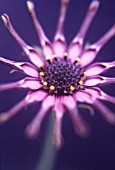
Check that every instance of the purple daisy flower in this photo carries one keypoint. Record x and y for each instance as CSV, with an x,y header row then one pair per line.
x,y
61,76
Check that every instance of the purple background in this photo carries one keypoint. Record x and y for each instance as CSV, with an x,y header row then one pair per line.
x,y
97,152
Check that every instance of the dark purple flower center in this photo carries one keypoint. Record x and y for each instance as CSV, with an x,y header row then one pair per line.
x,y
61,77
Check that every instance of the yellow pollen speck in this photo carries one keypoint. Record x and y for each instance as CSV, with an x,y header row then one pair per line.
x,y
65,54
54,56
80,82
78,59
72,88
45,83
41,73
52,87
85,73
47,58
40,66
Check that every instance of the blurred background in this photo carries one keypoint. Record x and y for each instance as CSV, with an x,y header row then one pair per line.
x,y
17,152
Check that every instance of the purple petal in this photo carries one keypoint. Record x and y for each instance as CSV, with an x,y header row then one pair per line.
x,y
31,53
45,43
91,96
59,48
59,39
27,83
88,19
98,68
36,96
83,97
80,126
90,53
98,81
30,83
59,113
107,97
29,69
33,128
34,56
105,112
105,38
31,97
99,94
76,45
74,50
92,93
87,56
93,81
5,116
24,67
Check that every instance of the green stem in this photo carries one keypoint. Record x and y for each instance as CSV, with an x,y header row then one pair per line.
x,y
87,106
48,156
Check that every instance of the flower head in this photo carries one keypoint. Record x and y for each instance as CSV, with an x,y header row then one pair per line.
x,y
61,76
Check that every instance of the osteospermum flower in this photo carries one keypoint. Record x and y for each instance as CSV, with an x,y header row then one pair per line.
x,y
61,76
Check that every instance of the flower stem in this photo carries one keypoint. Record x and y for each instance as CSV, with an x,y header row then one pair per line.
x,y
48,156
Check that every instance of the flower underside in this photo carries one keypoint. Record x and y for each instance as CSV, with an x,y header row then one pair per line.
x,y
61,76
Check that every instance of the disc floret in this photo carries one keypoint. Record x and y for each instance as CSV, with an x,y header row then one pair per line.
x,y
61,76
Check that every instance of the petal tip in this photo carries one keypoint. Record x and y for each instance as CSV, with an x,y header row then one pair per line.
x,y
113,29
111,119
58,142
5,19
83,131
31,132
94,5
65,2
30,5
3,118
